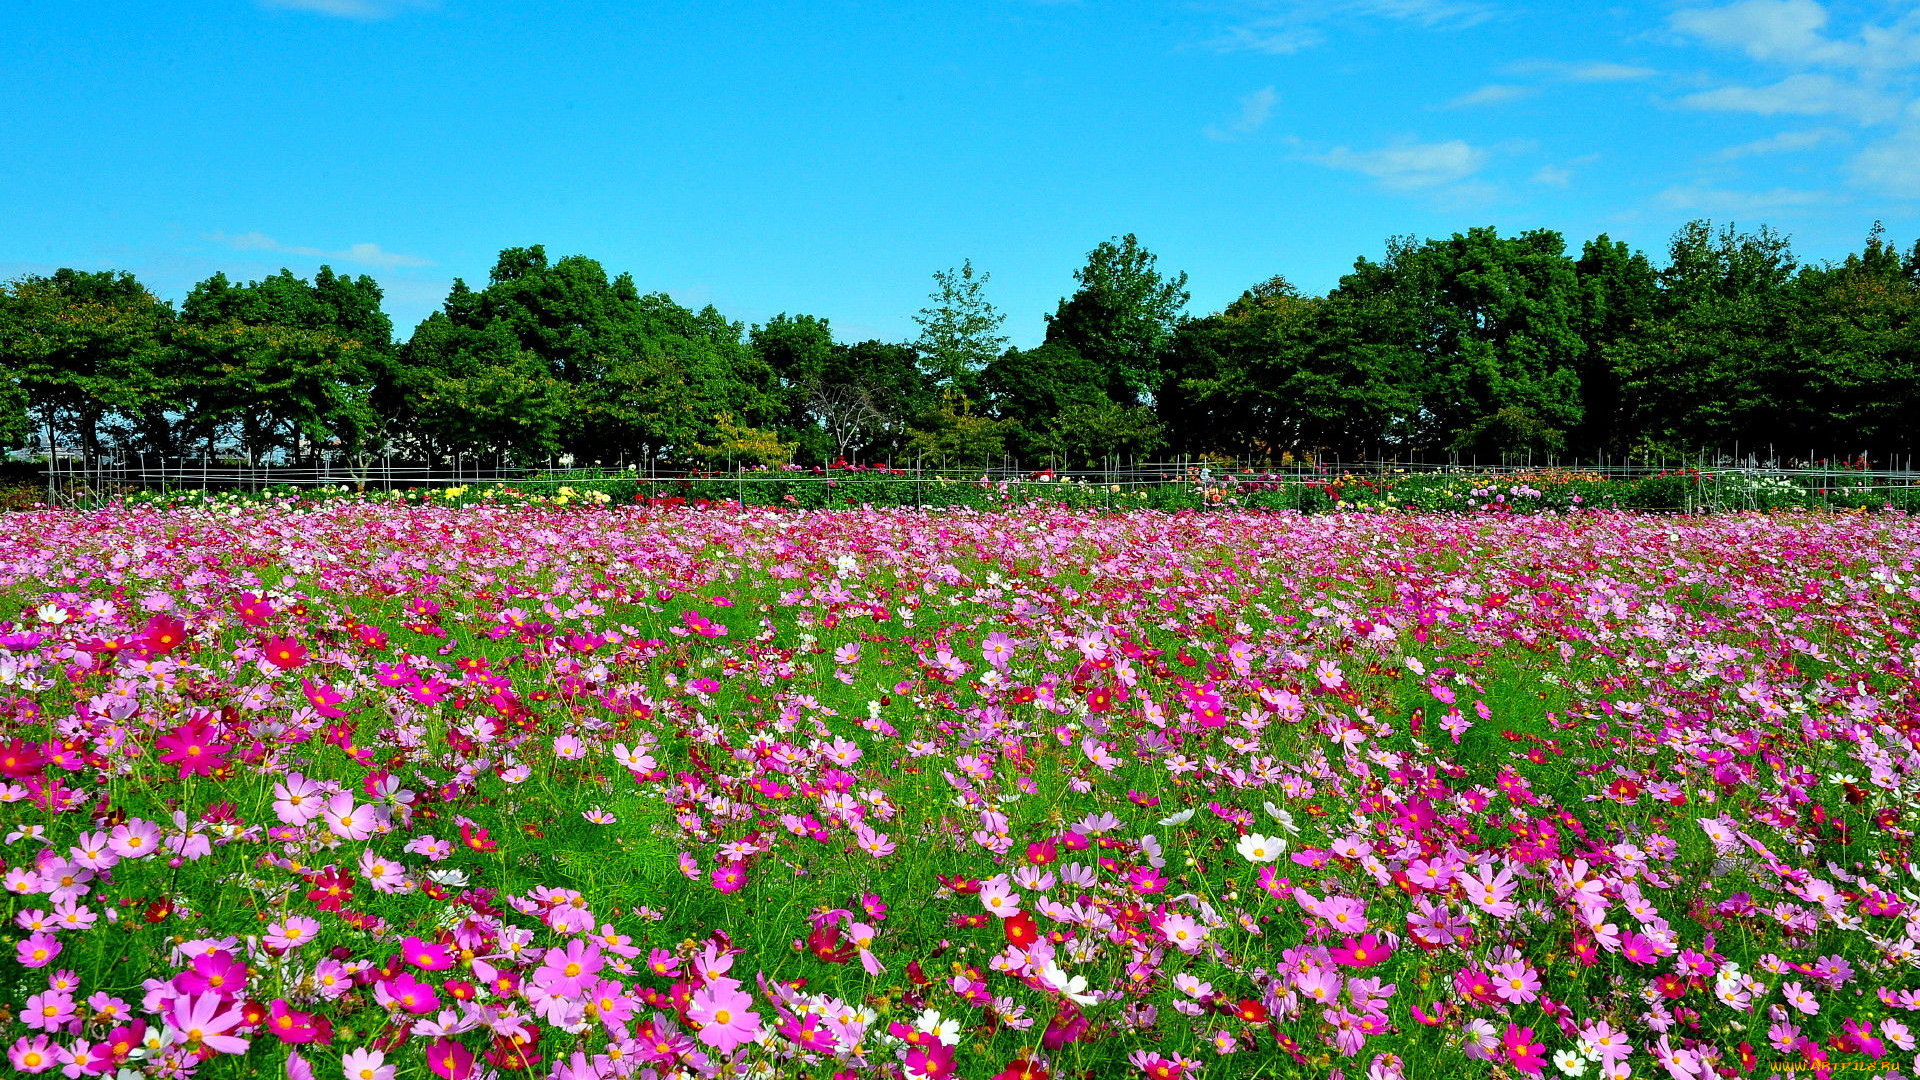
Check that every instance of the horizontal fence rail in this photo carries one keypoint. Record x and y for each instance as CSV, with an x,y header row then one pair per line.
x,y
1705,482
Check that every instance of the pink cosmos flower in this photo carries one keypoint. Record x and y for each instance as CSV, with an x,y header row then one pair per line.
x,y
296,931
366,1064
1183,933
1515,982
35,1055
1489,891
568,972
933,1062
297,800
862,935
205,1019
37,950
1319,985
999,899
215,972
1525,1054
347,821
289,1025
283,653
403,991
809,1033
720,1011
91,851
1364,951
730,878
135,839
49,1010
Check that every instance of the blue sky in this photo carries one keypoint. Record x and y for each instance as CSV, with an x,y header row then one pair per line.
x,y
827,157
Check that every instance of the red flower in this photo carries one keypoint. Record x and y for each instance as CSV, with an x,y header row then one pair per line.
x,y
193,749
164,633
1021,930
476,838
21,759
284,653
825,944
332,889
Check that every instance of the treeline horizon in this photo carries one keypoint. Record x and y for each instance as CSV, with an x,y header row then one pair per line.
x,y
1477,344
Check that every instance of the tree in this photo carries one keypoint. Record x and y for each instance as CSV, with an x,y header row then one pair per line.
x,y
960,332
865,395
1029,386
1853,381
279,387
83,348
619,373
1702,373
951,434
473,388
1478,323
285,362
1086,435
796,349
1122,317
1279,372
1619,292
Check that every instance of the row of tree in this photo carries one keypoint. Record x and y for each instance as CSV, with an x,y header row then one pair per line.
x,y
1474,344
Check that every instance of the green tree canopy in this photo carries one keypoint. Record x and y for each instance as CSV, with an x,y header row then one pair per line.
x,y
960,331
82,349
1122,317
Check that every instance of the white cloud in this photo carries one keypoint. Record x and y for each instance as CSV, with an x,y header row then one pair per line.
x,y
1255,109
1803,94
1284,27
1270,37
1553,176
1491,94
1794,33
1602,71
1891,166
1782,31
1590,71
1410,166
1786,142
350,9
358,254
1696,198
1455,14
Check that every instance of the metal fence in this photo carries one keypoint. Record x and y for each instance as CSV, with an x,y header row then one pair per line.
x,y
1715,479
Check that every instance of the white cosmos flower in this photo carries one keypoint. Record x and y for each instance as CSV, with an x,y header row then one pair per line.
x,y
1284,817
1260,849
947,1031
1180,818
1074,987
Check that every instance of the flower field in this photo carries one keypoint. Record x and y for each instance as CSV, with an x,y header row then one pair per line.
x,y
383,790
